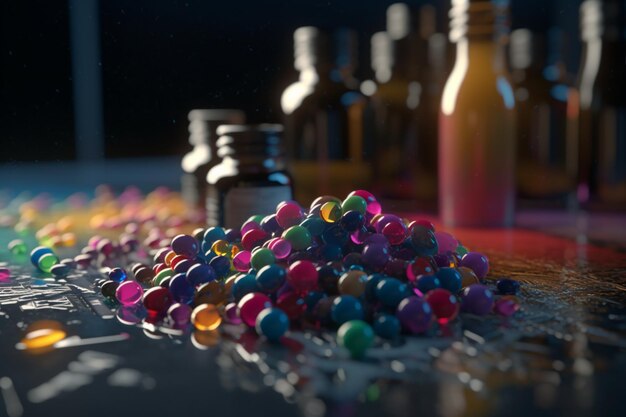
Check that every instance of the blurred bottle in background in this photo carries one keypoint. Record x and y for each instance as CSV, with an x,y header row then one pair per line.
x,y
477,120
197,163
546,163
601,100
323,116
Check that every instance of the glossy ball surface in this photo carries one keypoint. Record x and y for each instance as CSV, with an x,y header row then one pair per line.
x,y
185,245
270,278
415,315
302,276
272,323
387,326
345,308
181,289
477,299
117,274
262,257
507,286
356,336
206,317
129,293
251,305
445,306
352,283
477,262
390,291
450,279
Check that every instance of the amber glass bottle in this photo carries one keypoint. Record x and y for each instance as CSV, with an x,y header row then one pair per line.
x,y
323,116
477,121
602,102
251,177
197,163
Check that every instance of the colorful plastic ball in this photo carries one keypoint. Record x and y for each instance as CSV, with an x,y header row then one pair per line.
x,y
426,283
330,212
507,286
47,261
346,308
506,305
206,317
60,270
37,253
420,266
331,252
269,224
355,203
353,283
352,221
5,274
250,224
230,313
117,274
292,304
352,259
370,286
129,293
179,314
221,265
272,323
241,261
253,238
302,276
450,279
442,260
461,251
477,299
423,241
163,274
423,223
212,234
390,291
289,214
281,248
181,289
262,257
157,300
395,232
415,314
446,242
249,307
387,326
328,279
108,289
270,278
17,247
244,284
201,274
373,206
185,245
315,225
445,306
375,256
356,336
477,262
298,236
468,277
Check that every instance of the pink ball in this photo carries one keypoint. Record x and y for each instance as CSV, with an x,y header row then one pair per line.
x,y
129,292
251,305
281,248
241,261
289,214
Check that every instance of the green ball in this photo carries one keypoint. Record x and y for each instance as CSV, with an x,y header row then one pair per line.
x,y
162,275
17,247
256,218
356,336
262,257
47,261
461,250
298,236
355,203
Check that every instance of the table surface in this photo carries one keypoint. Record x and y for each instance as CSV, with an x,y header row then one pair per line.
x,y
563,353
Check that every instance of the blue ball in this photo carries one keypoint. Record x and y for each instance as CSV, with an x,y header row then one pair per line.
x,y
335,235
427,283
507,286
181,289
346,308
352,220
270,278
209,255
200,274
312,298
450,279
117,274
423,241
212,234
244,284
387,326
315,225
221,265
370,286
37,253
332,252
390,291
272,323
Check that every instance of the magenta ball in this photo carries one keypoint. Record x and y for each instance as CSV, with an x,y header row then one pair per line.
x,y
281,248
179,314
241,261
251,305
302,275
129,292
415,314
230,311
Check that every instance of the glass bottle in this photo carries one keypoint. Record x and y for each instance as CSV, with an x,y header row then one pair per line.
x,y
477,121
544,155
197,163
251,177
323,116
602,102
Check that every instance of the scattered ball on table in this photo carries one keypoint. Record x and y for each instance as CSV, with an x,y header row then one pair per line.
x,y
507,286
356,336
415,314
47,261
117,274
387,326
251,305
270,278
129,293
206,317
272,323
477,262
477,299
346,308
444,304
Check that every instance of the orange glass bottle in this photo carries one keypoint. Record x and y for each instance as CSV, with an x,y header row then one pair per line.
x,y
477,121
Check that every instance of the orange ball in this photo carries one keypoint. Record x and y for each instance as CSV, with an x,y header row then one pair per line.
x,y
206,317
353,283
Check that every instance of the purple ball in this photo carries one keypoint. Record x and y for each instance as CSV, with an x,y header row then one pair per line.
x,y
376,239
375,255
415,314
185,245
477,299
179,314
477,262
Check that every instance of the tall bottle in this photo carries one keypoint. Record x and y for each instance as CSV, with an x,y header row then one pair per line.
x,y
323,116
545,173
197,163
477,121
602,100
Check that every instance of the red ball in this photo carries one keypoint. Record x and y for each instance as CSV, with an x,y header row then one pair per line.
x,y
156,301
253,238
292,304
302,276
444,304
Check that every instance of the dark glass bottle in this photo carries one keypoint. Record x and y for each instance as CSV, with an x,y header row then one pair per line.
x,y
197,163
251,178
545,174
323,116
602,102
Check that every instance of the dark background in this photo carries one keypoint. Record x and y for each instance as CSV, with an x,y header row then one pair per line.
x,y
161,58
